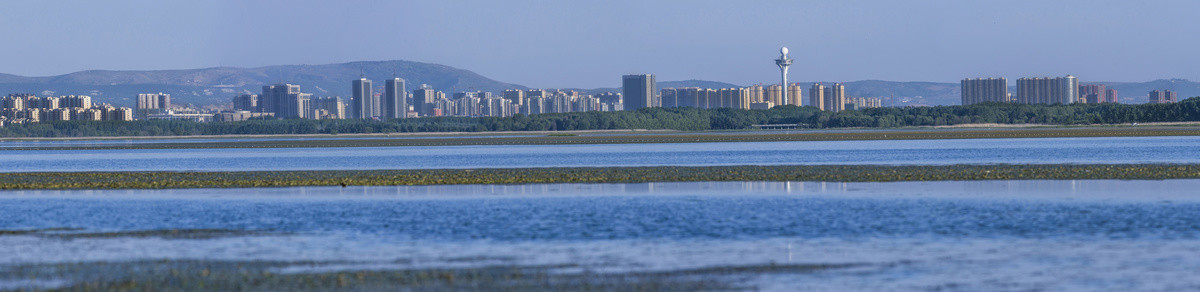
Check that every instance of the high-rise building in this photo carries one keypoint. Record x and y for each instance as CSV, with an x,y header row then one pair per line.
x,y
1110,95
81,101
536,93
424,99
816,96
153,101
774,94
612,99
395,99
515,96
468,104
246,102
835,97
286,101
669,98
742,99
977,90
14,102
1043,90
116,113
865,102
718,98
365,104
586,103
48,102
734,98
797,94
757,93
690,97
560,102
92,114
1092,93
461,95
639,91
708,98
493,106
328,108
1163,96
268,102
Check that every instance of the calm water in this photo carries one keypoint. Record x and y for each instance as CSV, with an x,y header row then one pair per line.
x,y
920,152
991,235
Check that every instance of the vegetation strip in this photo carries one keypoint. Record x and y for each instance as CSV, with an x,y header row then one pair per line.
x,y
831,173
910,134
681,119
217,275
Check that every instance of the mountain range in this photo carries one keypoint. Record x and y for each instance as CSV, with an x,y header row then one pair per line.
x,y
214,86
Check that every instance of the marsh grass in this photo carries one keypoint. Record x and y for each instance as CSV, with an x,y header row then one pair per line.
x,y
203,275
78,233
828,173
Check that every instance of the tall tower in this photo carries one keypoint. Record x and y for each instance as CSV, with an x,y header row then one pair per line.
x,y
394,101
365,104
783,63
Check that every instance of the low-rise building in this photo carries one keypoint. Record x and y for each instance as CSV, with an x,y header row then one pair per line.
x,y
237,116
173,116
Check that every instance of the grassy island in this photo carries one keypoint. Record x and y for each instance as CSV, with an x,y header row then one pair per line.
x,y
832,173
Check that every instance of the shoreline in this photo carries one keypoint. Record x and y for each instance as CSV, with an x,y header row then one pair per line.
x,y
827,173
634,137
608,131
348,135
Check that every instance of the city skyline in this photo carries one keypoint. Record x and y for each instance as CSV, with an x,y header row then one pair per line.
x,y
885,41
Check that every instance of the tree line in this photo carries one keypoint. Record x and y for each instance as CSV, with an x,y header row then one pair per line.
x,y
649,118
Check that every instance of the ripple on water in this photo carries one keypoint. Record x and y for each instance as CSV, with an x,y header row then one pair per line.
x,y
1037,235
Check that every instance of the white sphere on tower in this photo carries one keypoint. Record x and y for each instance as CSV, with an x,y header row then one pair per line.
x,y
783,51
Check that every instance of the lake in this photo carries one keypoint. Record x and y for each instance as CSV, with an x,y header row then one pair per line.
x,y
892,152
965,236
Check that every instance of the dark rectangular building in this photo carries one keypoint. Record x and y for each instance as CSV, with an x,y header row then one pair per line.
x,y
395,99
365,104
638,91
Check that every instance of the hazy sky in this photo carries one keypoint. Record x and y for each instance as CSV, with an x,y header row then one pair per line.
x,y
591,43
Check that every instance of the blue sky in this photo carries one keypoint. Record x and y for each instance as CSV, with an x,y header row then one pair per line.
x,y
591,43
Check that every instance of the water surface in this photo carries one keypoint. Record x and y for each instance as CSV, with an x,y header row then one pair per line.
x,y
886,152
982,235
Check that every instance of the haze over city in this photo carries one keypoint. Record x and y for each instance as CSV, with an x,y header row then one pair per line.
x,y
587,44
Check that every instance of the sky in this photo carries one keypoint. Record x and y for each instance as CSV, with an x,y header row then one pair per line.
x,y
588,44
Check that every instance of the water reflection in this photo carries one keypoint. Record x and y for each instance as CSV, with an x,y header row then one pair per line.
x,y
901,152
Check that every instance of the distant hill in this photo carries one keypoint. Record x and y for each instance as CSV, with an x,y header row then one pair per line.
x,y
696,83
665,84
216,85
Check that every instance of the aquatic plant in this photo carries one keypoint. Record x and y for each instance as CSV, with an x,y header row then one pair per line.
x,y
215,275
832,173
